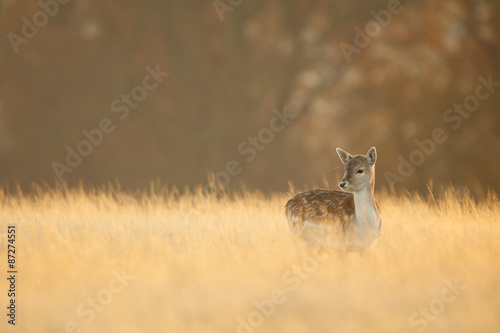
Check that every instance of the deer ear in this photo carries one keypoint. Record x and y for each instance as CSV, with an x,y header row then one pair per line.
x,y
371,156
344,156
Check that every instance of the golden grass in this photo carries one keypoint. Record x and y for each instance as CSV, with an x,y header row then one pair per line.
x,y
201,264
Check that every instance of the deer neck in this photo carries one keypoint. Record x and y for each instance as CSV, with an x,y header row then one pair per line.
x,y
364,206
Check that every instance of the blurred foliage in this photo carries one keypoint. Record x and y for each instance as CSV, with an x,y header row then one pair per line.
x,y
226,77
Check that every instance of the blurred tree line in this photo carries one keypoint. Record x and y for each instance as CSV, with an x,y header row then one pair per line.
x,y
232,66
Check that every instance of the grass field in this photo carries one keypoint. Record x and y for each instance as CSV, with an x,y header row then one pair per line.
x,y
108,261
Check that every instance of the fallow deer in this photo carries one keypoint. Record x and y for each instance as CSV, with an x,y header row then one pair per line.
x,y
337,219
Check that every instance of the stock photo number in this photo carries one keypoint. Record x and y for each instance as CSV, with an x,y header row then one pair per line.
x,y
11,274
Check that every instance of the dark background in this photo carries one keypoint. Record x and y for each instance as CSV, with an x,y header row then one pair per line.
x,y
227,76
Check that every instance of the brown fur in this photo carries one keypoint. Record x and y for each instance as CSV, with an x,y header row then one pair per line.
x,y
322,207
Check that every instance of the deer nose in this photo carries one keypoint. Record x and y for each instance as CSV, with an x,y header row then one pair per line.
x,y
342,184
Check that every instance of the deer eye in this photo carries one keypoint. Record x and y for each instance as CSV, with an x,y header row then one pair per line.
x,y
360,171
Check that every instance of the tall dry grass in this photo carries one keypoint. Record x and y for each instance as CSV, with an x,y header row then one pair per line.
x,y
196,263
